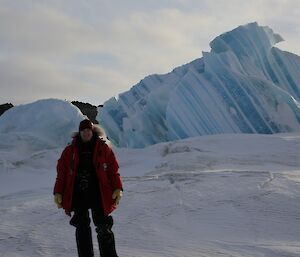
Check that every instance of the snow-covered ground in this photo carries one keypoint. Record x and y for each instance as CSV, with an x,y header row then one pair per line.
x,y
224,195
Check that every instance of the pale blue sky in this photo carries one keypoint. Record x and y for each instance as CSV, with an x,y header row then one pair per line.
x,y
91,50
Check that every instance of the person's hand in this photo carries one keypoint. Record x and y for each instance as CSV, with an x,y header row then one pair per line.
x,y
58,200
117,195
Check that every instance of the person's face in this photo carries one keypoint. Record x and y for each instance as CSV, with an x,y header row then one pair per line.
x,y
86,134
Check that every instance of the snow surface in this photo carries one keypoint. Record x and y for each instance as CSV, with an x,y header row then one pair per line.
x,y
232,195
244,85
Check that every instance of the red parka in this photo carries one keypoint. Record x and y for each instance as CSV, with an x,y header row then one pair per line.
x,y
106,167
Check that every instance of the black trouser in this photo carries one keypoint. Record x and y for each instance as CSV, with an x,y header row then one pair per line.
x,y
105,236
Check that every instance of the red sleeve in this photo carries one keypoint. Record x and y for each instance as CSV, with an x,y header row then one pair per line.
x,y
61,169
113,168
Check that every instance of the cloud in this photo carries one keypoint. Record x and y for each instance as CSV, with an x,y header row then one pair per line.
x,y
81,50
44,32
23,81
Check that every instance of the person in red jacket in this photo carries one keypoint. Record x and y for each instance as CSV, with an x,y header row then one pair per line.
x,y
88,178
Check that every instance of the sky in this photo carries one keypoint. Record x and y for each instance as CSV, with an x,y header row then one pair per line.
x,y
92,50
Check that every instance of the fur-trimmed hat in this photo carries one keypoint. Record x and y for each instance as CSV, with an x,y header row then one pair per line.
x,y
85,124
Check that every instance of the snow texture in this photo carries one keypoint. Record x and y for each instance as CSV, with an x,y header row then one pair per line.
x,y
243,85
232,195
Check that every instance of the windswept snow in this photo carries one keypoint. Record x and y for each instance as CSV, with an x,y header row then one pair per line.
x,y
224,195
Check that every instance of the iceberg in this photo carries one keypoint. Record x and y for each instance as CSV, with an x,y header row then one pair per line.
x,y
243,85
43,124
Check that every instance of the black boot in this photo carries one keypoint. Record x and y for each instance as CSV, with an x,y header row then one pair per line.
x,y
81,221
106,239
84,241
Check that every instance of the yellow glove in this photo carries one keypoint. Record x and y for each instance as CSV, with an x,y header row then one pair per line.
x,y
117,195
58,200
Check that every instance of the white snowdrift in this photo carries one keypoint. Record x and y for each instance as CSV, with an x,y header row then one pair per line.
x,y
39,125
212,196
